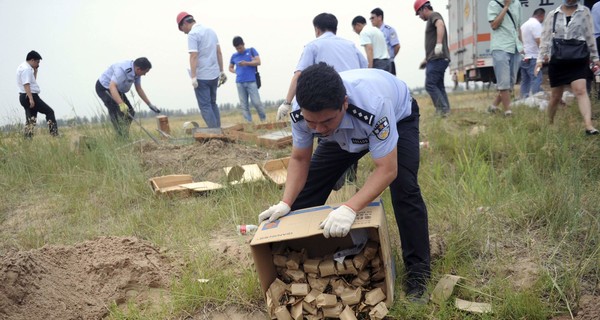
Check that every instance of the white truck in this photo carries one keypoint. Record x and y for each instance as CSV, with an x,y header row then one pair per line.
x,y
469,35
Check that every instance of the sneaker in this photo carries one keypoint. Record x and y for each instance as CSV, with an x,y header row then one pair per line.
x,y
508,113
492,109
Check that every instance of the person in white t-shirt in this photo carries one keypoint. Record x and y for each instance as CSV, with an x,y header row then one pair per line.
x,y
531,32
374,42
29,97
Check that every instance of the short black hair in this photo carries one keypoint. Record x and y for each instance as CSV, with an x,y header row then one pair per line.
x,y
326,22
33,55
538,12
142,63
320,87
237,40
378,12
359,19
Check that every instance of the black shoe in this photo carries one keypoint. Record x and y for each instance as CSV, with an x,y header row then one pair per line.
x,y
417,295
592,132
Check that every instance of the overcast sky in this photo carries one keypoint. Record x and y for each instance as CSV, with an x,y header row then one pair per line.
x,y
79,39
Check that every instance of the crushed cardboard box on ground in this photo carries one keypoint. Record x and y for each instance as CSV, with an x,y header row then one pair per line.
x,y
304,275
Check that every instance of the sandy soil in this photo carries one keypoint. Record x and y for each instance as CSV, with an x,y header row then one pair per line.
x,y
80,281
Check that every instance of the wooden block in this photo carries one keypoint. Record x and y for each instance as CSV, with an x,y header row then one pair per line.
x,y
205,134
241,136
271,125
232,127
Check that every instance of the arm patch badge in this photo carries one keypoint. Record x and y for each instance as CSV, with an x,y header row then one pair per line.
x,y
382,129
297,115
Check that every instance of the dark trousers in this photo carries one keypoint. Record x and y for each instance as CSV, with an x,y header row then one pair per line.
x,y
329,162
120,121
393,67
31,114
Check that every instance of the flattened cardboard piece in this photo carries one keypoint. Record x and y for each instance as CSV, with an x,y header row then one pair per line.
x,y
251,173
300,229
348,314
282,313
351,297
326,300
296,312
379,311
333,312
475,307
276,170
300,289
203,186
170,183
311,266
374,297
444,288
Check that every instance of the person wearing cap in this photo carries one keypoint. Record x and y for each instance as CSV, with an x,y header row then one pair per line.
x,y
206,66
29,95
112,86
244,63
359,111
391,37
373,40
437,56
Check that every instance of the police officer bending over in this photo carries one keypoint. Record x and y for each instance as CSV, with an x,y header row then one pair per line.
x,y
112,86
362,110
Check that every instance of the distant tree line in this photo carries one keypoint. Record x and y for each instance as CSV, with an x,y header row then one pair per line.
x,y
145,113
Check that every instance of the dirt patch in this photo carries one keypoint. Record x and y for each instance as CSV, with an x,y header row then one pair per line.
x,y
81,281
589,309
232,248
203,161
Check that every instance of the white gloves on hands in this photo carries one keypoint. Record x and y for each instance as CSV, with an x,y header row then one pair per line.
x,y
195,83
154,108
438,49
283,111
274,212
338,222
222,79
124,108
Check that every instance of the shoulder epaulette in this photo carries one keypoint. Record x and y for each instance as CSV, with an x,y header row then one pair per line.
x,y
361,114
296,115
128,70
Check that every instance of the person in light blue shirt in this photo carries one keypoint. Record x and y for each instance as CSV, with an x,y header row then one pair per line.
x,y
112,86
336,51
206,66
359,111
391,37
244,64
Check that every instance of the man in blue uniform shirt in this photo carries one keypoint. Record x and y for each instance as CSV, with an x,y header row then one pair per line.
x,y
112,86
361,110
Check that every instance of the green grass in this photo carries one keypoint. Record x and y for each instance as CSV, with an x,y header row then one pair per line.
x,y
538,182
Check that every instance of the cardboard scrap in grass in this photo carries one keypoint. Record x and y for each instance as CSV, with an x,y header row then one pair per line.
x,y
443,291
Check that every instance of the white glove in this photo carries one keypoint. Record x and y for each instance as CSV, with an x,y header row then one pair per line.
x,y
154,108
283,111
195,83
274,212
338,222
438,49
222,79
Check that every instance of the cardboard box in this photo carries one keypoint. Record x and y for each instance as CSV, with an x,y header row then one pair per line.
x,y
180,184
243,174
300,230
276,170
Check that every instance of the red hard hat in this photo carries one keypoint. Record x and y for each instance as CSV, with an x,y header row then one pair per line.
x,y
419,4
180,17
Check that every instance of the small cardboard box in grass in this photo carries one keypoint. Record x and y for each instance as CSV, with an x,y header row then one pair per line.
x,y
299,232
